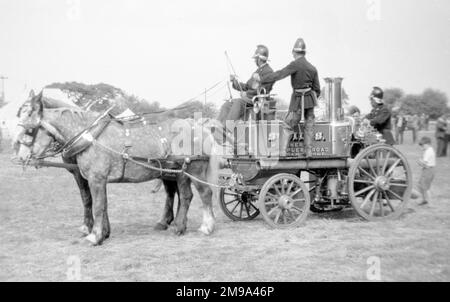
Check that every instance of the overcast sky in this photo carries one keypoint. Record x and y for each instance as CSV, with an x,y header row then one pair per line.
x,y
171,50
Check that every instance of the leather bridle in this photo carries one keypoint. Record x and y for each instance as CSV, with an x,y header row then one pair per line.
x,y
29,139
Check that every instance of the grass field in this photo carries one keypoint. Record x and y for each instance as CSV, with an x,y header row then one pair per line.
x,y
40,211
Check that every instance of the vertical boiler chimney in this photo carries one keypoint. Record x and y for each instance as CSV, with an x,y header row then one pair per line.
x,y
333,97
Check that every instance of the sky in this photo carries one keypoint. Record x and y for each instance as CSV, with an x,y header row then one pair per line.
x,y
172,50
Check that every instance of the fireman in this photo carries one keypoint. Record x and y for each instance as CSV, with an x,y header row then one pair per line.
x,y
380,116
235,109
306,89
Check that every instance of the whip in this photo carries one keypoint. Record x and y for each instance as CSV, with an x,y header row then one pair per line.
x,y
230,65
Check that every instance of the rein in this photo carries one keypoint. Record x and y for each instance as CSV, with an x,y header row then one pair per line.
x,y
187,106
67,147
140,161
145,162
52,131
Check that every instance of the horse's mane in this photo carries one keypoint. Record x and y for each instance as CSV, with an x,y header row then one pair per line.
x,y
77,113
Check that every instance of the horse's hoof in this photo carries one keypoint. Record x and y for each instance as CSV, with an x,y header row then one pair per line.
x,y
92,239
205,230
84,230
179,231
160,227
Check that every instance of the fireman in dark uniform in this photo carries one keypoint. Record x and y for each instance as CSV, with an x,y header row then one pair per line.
x,y
380,116
235,109
306,90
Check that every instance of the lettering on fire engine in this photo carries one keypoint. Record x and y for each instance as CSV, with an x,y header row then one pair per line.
x,y
319,137
296,150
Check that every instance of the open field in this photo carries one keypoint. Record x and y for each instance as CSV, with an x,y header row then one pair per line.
x,y
41,210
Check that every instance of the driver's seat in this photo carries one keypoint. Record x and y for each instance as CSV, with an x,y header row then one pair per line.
x,y
266,108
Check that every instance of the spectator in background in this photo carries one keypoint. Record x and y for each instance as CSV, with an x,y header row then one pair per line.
x,y
447,134
441,137
400,124
427,163
427,122
354,111
414,127
422,122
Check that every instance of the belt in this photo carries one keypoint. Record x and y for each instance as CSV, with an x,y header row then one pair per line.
x,y
303,92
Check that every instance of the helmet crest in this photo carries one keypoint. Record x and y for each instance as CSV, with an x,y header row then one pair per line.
x,y
299,46
261,52
377,95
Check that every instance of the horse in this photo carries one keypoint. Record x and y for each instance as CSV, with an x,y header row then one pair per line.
x,y
106,158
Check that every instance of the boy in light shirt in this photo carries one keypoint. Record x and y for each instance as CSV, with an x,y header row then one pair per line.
x,y
428,162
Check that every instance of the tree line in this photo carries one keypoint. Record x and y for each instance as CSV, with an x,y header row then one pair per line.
x,y
431,102
100,97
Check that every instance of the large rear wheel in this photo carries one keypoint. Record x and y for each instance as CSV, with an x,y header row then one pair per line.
x,y
380,183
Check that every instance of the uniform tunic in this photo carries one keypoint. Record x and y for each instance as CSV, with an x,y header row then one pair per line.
x,y
380,119
303,75
235,109
250,86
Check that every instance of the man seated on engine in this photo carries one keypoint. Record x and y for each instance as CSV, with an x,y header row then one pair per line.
x,y
234,110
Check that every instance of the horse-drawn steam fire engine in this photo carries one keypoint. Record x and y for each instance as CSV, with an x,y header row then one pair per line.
x,y
350,166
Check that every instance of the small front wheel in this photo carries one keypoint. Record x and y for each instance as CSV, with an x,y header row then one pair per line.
x,y
284,201
237,205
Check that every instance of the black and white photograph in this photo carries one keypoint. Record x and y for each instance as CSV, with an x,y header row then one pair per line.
x,y
224,141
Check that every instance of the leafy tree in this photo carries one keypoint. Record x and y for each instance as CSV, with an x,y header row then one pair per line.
x,y
412,104
431,102
393,96
138,105
100,97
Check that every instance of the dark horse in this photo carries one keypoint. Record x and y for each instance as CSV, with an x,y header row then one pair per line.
x,y
104,161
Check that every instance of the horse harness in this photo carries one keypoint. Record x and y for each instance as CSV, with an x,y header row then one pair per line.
x,y
168,167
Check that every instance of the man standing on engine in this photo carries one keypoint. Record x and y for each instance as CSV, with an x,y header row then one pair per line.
x,y
306,89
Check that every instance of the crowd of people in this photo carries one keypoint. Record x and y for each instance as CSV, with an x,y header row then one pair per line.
x,y
415,123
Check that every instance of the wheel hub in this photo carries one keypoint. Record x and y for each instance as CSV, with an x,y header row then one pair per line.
x,y
382,183
245,197
285,202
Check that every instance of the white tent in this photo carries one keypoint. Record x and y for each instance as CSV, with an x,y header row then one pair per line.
x,y
126,113
8,114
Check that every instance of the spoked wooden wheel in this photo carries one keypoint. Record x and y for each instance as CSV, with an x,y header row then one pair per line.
x,y
238,206
380,183
284,201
